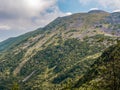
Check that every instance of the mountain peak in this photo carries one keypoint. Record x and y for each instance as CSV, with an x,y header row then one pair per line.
x,y
97,11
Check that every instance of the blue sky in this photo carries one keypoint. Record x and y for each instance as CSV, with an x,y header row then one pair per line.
x,y
76,6
21,16
70,6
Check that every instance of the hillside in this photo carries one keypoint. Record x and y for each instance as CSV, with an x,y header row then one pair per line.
x,y
60,53
104,73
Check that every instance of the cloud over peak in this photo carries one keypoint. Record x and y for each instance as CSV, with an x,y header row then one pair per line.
x,y
94,9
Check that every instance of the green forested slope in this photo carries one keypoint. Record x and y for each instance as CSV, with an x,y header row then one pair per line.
x,y
104,74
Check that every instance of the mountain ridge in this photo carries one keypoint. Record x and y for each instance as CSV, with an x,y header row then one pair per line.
x,y
57,21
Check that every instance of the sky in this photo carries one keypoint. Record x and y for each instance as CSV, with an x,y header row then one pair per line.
x,y
20,16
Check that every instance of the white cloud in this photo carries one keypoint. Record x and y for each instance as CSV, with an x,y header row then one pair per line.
x,y
25,8
28,14
112,4
4,27
94,9
68,13
118,10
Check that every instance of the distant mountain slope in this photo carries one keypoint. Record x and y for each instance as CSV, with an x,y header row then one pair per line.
x,y
6,43
11,42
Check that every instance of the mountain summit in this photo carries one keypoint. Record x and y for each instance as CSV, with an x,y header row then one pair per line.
x,y
97,11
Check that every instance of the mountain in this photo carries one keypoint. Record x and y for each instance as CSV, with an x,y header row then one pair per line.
x,y
97,11
58,55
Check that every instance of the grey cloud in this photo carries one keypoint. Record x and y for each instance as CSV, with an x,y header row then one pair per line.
x,y
21,12
26,15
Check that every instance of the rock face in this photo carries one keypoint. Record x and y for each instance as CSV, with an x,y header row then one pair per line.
x,y
58,54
